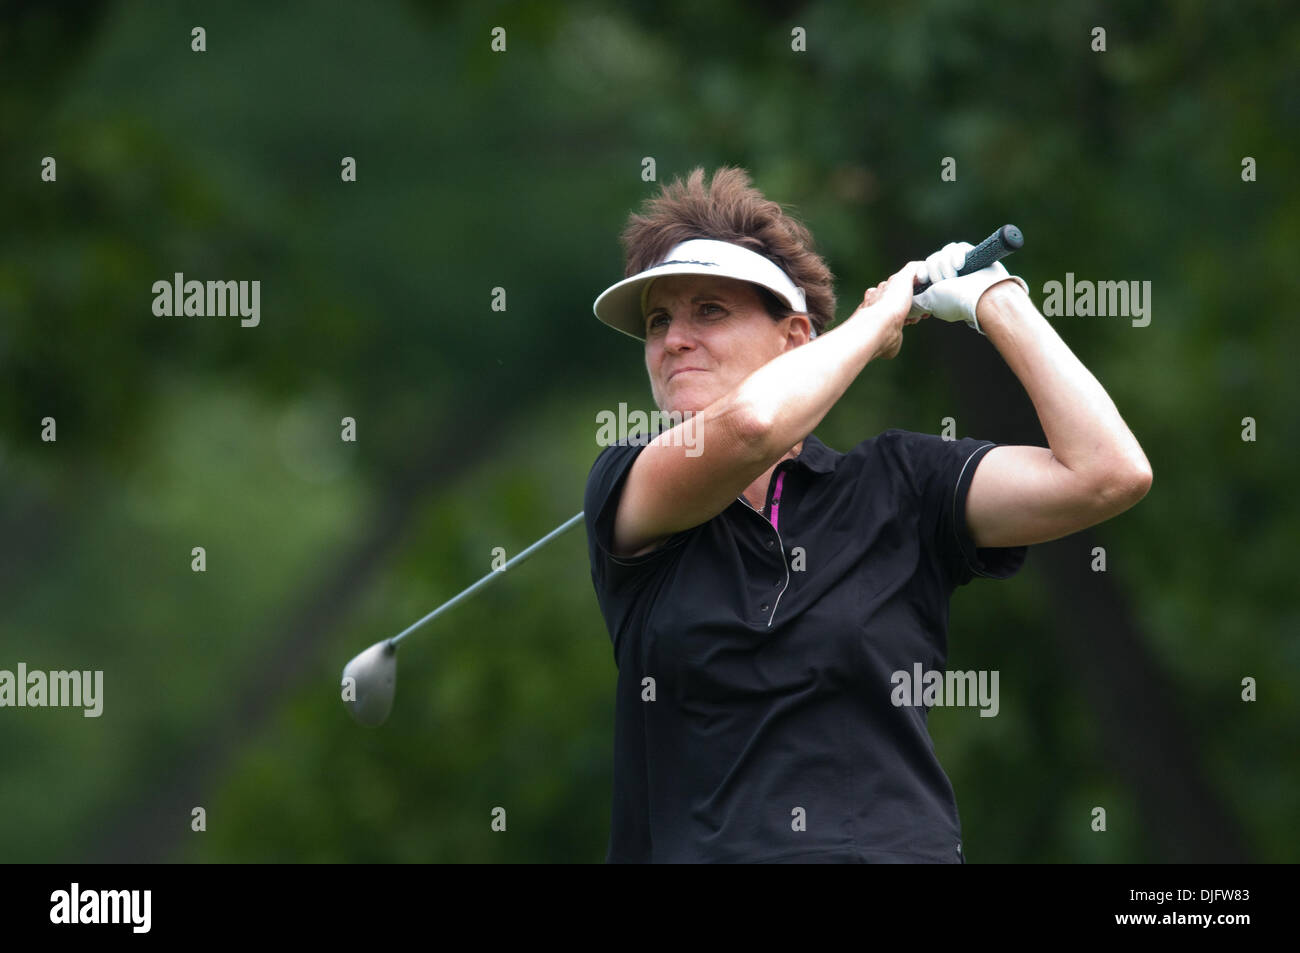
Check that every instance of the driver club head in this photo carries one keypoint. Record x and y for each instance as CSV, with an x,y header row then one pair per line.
x,y
370,679
374,680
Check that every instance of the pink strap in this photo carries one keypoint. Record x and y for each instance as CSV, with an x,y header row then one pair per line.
x,y
776,498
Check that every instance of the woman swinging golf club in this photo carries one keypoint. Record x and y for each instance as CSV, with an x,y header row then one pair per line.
x,y
764,592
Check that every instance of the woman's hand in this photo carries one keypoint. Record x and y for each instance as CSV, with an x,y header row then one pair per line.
x,y
889,304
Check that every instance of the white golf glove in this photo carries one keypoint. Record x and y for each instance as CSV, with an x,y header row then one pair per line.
x,y
953,298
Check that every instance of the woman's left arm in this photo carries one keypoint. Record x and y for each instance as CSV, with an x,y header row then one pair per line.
x,y
1094,468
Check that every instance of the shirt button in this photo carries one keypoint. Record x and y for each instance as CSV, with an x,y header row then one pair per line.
x,y
764,607
768,543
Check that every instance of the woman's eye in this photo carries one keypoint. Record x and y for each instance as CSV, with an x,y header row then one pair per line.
x,y
655,321
707,306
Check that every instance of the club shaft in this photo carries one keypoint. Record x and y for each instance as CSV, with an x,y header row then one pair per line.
x,y
558,531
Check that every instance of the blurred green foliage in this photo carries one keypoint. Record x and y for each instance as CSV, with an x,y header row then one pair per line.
x,y
479,170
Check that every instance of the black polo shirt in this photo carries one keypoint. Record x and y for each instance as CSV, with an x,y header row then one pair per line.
x,y
754,719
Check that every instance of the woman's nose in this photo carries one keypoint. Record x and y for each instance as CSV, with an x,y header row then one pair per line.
x,y
678,335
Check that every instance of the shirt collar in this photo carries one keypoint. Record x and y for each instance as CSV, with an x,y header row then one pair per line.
x,y
815,455
818,457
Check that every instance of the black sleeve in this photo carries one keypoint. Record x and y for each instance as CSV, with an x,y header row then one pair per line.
x,y
600,503
941,472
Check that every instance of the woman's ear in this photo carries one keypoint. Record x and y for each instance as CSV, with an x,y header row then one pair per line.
x,y
800,330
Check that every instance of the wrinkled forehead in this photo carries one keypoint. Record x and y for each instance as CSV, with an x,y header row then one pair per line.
x,y
662,291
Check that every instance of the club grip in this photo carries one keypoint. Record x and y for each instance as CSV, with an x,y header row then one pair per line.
x,y
998,245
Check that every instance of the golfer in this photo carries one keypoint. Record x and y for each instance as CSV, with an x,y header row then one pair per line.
x,y
764,591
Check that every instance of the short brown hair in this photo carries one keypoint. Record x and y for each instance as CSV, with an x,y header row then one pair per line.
x,y
730,209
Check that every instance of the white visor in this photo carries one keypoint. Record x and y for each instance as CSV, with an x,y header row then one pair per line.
x,y
620,305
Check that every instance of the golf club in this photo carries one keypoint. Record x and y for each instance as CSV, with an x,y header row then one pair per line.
x,y
1001,243
373,673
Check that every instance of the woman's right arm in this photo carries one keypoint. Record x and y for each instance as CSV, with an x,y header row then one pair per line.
x,y
742,434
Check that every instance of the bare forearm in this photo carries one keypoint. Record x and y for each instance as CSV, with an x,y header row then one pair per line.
x,y
1083,427
788,396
